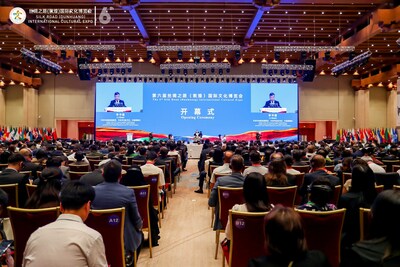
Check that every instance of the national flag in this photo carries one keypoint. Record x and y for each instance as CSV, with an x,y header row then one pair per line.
x,y
394,136
54,133
337,135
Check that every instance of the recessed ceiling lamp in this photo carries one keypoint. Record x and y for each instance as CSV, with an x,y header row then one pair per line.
x,y
286,61
47,72
225,60
253,60
107,60
2,83
390,85
179,60
95,59
129,60
202,60
22,83
264,61
118,60
356,73
380,84
152,60
240,61
214,60
322,72
168,60
274,61
345,73
370,85
191,60
37,71
12,83
70,71
141,60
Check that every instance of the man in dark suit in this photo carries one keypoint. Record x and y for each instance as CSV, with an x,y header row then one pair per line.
x,y
272,103
111,194
95,177
203,156
317,170
28,165
117,102
235,180
11,175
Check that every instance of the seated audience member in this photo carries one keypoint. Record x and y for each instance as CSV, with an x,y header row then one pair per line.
x,y
289,163
130,153
160,160
150,169
317,170
79,157
310,151
361,194
216,158
28,165
3,205
48,190
40,157
393,154
174,152
320,195
324,153
256,166
94,152
286,243
111,194
11,175
371,163
276,156
277,176
234,180
343,167
255,197
225,168
95,177
68,241
246,156
134,177
382,246
142,154
299,157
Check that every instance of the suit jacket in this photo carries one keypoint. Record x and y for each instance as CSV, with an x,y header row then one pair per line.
x,y
93,178
115,195
311,177
310,258
11,176
114,103
234,180
269,104
33,167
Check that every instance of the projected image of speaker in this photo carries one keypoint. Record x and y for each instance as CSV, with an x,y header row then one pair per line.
x,y
84,74
308,75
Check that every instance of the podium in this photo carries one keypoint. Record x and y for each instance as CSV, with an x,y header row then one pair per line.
x,y
129,137
118,109
273,110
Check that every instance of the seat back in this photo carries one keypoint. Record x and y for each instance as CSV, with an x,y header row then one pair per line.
x,y
152,180
93,162
395,168
76,175
323,232
379,188
388,180
142,194
248,238
282,195
346,176
26,221
30,188
27,174
3,166
162,167
136,162
299,179
365,223
389,164
12,192
330,168
126,167
110,224
228,197
336,195
79,168
305,168
168,169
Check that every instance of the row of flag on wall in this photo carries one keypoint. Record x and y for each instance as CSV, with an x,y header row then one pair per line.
x,y
8,133
381,135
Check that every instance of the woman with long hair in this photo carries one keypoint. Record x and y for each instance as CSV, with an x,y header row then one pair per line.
x,y
255,198
286,243
48,189
277,175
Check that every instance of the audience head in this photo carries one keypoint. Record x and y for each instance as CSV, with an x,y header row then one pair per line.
x,y
317,162
151,155
41,154
363,180
26,153
76,198
15,161
142,150
227,156
54,162
237,163
321,191
289,161
255,195
112,171
276,156
255,157
218,155
79,156
284,234
346,164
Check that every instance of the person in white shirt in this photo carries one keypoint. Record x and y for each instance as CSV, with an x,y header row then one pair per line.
x,y
256,166
174,152
374,167
68,241
224,169
289,162
150,169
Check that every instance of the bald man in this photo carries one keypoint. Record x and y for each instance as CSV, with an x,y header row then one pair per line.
x,y
27,164
224,169
318,170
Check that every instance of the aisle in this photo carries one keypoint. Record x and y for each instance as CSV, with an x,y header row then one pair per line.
x,y
186,236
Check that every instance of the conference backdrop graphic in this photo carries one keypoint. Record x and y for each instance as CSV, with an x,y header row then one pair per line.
x,y
236,110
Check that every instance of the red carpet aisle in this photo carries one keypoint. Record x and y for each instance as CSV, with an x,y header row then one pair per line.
x,y
186,236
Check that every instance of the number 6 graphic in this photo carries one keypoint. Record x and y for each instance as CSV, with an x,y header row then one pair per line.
x,y
104,16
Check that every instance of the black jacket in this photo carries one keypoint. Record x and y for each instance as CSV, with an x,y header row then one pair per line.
x,y
11,176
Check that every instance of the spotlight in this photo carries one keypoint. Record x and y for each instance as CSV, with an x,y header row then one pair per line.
x,y
185,72
352,55
212,70
170,72
114,79
38,54
163,71
129,70
105,71
264,71
204,71
282,72
111,71
196,60
270,72
195,71
178,71
123,71
100,71
125,80
228,70
118,70
180,55
217,80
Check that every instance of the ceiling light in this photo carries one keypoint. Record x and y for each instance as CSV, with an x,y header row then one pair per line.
x,y
168,60
47,72
191,60
152,60
70,71
370,85
253,60
356,73
179,60
345,73
202,60
286,61
214,60
12,83
118,60
141,60
264,61
95,59
390,85
225,60
380,84
22,83
107,59
129,59
274,61
37,71
2,83
322,72
240,61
